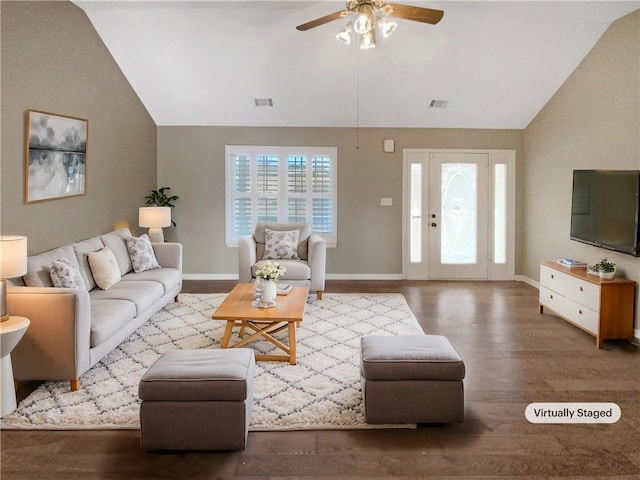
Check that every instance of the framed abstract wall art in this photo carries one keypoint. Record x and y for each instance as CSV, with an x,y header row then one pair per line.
x,y
56,162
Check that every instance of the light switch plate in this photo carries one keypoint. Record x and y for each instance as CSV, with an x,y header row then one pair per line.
x,y
389,146
386,202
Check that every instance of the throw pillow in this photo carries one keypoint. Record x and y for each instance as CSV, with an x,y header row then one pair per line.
x,y
280,245
65,275
141,253
104,268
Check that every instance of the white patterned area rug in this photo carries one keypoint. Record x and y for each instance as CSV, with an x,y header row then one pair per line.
x,y
321,392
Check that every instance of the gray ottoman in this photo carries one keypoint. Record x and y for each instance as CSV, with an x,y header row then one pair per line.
x,y
197,400
411,379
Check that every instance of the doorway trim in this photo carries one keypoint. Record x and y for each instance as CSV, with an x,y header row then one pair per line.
x,y
504,271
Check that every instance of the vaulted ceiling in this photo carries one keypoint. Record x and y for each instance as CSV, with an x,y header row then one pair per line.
x,y
496,63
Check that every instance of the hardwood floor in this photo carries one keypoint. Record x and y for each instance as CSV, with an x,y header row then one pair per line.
x,y
514,356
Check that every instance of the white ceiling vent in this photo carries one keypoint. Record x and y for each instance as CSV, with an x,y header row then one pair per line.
x,y
263,102
439,104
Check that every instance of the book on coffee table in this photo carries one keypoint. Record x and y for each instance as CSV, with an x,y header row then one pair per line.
x,y
283,288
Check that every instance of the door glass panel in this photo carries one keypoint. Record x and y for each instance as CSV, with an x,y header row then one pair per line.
x,y
500,214
415,226
459,232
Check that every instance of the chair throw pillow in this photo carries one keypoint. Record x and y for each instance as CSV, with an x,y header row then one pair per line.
x,y
141,253
65,275
104,268
281,245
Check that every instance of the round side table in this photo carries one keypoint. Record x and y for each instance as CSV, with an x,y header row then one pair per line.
x,y
11,331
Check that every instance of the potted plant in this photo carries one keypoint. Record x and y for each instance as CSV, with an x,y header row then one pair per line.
x,y
161,199
605,269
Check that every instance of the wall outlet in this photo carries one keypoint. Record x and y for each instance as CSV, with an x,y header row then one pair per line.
x,y
386,202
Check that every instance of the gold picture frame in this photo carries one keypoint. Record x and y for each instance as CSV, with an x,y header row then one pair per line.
x,y
56,156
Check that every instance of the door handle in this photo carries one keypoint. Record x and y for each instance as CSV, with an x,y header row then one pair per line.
x,y
434,224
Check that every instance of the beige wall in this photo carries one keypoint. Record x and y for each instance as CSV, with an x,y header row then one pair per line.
x,y
593,121
54,61
191,162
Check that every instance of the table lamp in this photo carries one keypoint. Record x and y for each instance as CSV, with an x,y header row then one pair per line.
x,y
13,263
155,218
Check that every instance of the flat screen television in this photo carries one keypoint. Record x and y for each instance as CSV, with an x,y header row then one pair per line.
x,y
605,209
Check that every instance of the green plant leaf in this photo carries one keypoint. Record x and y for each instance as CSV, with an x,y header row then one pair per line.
x,y
161,199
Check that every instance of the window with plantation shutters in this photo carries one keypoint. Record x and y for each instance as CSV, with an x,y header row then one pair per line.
x,y
281,185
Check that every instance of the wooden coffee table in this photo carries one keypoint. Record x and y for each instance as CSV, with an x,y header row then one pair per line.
x,y
236,310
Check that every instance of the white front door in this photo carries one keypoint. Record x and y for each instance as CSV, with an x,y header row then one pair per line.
x,y
459,214
458,191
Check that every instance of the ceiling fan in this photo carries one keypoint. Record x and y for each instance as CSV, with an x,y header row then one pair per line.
x,y
370,13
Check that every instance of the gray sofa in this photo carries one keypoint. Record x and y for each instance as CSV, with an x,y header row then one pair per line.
x,y
73,328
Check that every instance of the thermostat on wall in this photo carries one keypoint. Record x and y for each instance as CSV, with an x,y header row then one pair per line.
x,y
389,146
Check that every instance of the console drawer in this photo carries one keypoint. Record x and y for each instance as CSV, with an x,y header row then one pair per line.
x,y
551,299
584,293
568,309
582,316
581,291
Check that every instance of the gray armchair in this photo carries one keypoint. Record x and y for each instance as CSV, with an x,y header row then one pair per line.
x,y
309,270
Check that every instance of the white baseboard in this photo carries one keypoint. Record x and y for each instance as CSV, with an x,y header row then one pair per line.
x,y
365,276
525,279
329,276
210,276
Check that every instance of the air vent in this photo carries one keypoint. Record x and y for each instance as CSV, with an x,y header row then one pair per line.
x,y
439,104
264,102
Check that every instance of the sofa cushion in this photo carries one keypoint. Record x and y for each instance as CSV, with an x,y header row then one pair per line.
x,y
38,266
65,275
116,241
281,244
82,250
141,293
167,277
199,376
296,269
303,237
141,253
104,267
108,316
410,357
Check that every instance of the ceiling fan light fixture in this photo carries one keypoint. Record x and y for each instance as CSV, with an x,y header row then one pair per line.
x,y
387,28
345,35
362,24
367,41
370,14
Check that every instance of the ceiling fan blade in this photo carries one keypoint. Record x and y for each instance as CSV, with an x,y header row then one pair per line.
x,y
417,14
322,20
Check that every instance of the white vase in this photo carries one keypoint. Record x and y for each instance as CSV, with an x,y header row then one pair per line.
x,y
269,291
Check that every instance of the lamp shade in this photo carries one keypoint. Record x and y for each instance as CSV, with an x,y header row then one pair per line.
x,y
13,256
154,217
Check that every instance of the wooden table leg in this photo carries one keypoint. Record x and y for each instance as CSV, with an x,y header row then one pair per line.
x,y
292,343
227,334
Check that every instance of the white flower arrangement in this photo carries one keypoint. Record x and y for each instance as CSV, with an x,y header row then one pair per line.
x,y
271,271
